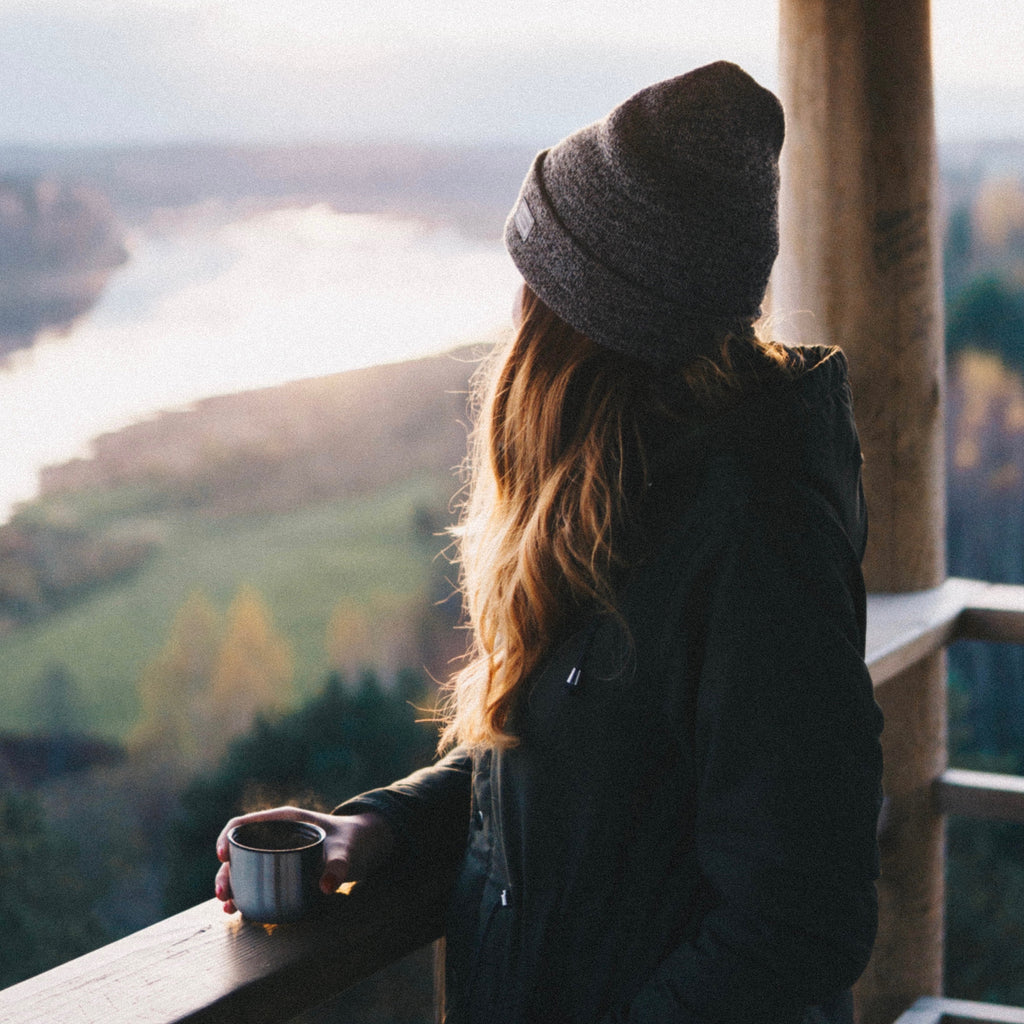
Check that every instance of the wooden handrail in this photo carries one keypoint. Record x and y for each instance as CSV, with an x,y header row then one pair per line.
x,y
980,795
200,966
904,628
935,1010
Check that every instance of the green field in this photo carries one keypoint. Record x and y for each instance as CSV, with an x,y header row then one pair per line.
x,y
303,562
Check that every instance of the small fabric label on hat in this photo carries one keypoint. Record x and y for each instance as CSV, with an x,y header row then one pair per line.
x,y
523,220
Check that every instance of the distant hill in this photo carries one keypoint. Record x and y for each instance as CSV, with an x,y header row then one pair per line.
x,y
472,187
59,243
276,449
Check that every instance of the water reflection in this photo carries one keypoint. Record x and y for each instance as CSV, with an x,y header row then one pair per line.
x,y
210,303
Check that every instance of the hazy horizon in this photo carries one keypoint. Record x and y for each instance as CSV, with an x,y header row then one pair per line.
x,y
136,72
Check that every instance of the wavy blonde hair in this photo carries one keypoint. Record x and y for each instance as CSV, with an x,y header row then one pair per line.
x,y
559,457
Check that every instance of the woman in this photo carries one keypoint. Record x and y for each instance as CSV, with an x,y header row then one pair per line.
x,y
663,772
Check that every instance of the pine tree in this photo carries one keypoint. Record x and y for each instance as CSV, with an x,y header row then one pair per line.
x,y
45,898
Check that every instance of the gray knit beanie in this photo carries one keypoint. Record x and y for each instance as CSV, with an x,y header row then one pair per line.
x,y
659,216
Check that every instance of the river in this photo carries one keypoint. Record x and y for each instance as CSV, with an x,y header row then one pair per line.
x,y
210,303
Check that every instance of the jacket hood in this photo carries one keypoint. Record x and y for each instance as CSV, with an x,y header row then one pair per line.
x,y
799,432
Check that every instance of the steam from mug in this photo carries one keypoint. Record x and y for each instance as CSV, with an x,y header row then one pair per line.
x,y
275,869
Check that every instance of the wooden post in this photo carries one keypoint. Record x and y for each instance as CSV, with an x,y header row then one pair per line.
x,y
860,269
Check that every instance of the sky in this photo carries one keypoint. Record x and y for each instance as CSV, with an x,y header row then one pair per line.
x,y
76,72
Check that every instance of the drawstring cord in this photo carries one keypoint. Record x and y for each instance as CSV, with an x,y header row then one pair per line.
x,y
572,681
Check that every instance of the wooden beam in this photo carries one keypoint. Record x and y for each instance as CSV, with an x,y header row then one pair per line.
x,y
993,612
981,795
859,263
859,267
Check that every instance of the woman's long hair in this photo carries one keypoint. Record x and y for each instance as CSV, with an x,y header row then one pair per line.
x,y
559,457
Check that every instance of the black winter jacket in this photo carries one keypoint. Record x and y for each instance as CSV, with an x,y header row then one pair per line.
x,y
686,829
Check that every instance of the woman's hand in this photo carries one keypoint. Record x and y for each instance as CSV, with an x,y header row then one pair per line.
x,y
356,845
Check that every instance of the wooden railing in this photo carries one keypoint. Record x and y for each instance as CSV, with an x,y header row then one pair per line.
x,y
904,628
203,966
931,1010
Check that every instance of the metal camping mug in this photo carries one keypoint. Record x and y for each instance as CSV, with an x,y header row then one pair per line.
x,y
275,869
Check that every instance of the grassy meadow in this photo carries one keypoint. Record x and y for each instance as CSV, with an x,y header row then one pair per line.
x,y
345,512
365,549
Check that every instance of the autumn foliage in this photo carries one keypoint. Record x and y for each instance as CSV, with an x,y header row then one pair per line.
x,y
211,679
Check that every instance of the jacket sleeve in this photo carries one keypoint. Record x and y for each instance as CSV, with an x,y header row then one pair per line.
x,y
428,811
786,733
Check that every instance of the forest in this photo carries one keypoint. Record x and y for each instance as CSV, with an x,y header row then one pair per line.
x,y
984,282
244,700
